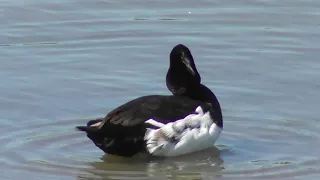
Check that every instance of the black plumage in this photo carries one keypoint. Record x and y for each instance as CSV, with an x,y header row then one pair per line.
x,y
121,132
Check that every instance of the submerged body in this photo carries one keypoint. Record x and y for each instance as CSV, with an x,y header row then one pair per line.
x,y
187,121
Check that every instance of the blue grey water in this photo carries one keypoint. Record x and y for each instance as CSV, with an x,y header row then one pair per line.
x,y
65,62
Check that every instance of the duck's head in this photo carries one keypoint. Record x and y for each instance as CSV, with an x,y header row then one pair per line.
x,y
182,73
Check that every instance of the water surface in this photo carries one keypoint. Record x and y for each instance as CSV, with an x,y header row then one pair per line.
x,y
65,62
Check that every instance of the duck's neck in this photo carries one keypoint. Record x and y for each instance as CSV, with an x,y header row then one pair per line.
x,y
202,93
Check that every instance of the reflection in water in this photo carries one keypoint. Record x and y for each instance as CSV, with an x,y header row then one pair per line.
x,y
200,165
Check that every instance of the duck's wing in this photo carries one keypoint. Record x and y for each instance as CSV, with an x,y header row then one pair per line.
x,y
129,117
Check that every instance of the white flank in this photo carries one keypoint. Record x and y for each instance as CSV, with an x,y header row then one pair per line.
x,y
193,133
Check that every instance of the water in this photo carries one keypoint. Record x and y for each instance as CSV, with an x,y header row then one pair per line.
x,y
65,62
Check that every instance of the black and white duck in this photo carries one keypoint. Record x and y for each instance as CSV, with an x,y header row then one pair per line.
x,y
190,120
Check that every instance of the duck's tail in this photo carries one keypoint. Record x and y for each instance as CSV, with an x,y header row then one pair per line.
x,y
94,132
92,125
111,138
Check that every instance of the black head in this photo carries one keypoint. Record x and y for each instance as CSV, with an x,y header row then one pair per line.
x,y
182,73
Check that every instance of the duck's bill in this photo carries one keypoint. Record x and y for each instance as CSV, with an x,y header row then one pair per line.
x,y
186,62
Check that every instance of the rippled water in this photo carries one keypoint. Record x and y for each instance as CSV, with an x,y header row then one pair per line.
x,y
65,62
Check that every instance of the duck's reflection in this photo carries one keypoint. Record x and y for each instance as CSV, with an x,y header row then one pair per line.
x,y
201,165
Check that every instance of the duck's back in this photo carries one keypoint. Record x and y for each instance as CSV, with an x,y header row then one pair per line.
x,y
161,108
